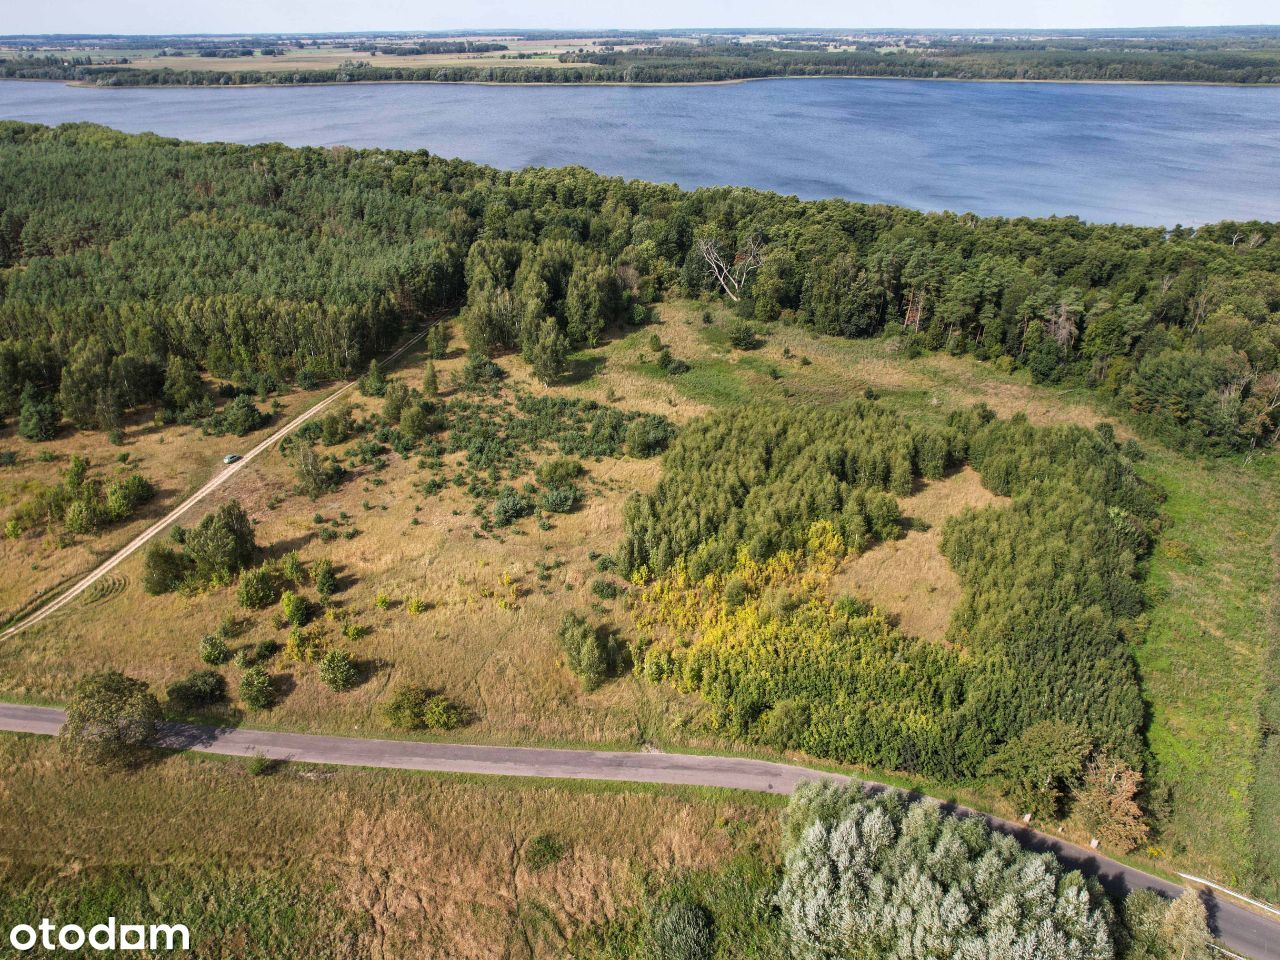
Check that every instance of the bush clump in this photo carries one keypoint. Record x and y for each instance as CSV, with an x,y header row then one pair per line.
x,y
338,670
510,507
590,652
203,688
257,589
417,708
214,650
681,930
559,471
542,851
559,499
257,689
295,609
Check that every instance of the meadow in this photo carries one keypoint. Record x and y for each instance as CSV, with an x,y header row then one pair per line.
x,y
304,862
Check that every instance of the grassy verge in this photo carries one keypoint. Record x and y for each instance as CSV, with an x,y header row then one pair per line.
x,y
310,861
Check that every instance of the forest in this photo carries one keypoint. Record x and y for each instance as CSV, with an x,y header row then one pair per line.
x,y
757,508
266,265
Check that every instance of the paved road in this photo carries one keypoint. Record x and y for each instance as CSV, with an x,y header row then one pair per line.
x,y
1239,930
173,516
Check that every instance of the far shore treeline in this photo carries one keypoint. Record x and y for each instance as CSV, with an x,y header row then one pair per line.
x,y
121,256
1239,55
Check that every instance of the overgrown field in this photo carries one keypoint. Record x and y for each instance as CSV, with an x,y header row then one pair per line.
x,y
175,460
444,598
306,862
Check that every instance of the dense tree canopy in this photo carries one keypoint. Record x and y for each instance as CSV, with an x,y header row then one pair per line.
x,y
879,878
118,253
757,508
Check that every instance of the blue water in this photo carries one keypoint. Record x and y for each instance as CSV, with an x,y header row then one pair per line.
x,y
1158,155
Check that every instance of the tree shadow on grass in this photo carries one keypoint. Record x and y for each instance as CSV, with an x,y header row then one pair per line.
x,y
281,547
582,369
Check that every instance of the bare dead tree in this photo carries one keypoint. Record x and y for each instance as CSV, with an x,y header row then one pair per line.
x,y
915,310
1266,389
731,275
1062,325
1199,309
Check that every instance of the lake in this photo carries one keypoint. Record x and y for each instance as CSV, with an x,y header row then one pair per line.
x,y
1147,154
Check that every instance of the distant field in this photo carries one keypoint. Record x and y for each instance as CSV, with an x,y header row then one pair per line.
x,y
542,55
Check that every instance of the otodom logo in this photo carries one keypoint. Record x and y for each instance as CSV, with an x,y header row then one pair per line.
x,y
109,935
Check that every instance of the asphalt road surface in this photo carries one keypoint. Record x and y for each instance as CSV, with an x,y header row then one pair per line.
x,y
176,513
1239,930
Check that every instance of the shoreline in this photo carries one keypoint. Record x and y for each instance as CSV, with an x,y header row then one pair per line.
x,y
86,85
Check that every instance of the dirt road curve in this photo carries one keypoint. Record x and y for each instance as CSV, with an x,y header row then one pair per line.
x,y
172,517
1239,930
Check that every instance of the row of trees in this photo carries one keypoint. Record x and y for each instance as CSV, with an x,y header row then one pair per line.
x,y
119,252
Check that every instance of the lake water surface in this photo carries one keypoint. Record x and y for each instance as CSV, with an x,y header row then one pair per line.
x,y
1130,153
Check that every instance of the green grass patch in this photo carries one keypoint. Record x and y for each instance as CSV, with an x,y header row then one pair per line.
x,y
1201,657
232,915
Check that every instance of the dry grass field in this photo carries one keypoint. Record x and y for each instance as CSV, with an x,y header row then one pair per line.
x,y
307,862
176,459
910,579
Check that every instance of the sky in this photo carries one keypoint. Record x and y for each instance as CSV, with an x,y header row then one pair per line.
x,y
296,16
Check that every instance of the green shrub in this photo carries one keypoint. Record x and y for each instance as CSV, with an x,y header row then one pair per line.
x,y
559,499
257,689
238,418
480,371
325,579
292,568
338,671
681,930
510,507
417,708
373,383
257,589
742,335
221,544
542,851
214,650
295,609
648,435
559,471
605,589
589,652
200,689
